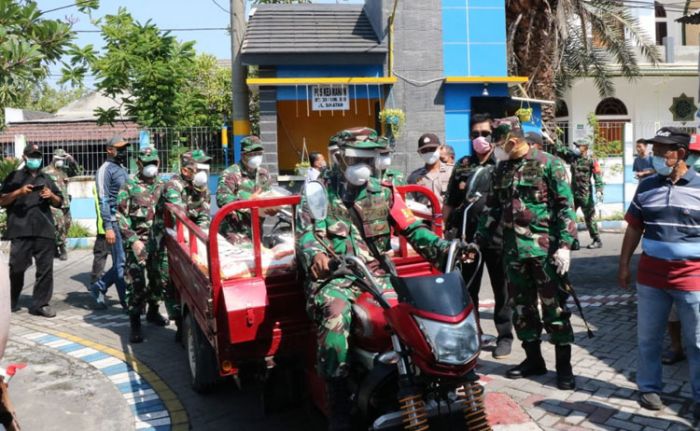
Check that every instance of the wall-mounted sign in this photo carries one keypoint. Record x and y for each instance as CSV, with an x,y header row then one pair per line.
x,y
330,98
683,108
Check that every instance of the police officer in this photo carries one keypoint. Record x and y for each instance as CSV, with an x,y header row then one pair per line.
x,y
583,167
358,223
58,172
472,175
136,211
532,198
434,175
189,191
27,194
242,181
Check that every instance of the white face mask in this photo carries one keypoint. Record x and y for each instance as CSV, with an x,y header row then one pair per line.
x,y
150,171
383,162
254,162
200,179
501,154
576,150
59,163
358,175
431,158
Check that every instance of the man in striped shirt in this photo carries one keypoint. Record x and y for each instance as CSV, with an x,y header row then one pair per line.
x,y
665,216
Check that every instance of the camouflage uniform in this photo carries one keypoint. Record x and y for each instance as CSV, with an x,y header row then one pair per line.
x,y
238,182
196,204
329,301
61,216
582,169
136,211
534,200
394,176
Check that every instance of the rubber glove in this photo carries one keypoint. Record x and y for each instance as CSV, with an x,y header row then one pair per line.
x,y
562,260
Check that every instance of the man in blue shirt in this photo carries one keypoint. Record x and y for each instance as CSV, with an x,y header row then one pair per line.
x,y
108,180
642,166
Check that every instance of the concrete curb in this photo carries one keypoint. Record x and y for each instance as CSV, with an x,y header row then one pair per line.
x,y
154,405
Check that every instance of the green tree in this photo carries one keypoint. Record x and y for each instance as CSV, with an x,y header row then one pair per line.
x,y
553,42
47,98
29,44
141,65
205,100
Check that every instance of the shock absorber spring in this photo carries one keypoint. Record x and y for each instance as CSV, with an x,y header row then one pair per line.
x,y
472,397
414,413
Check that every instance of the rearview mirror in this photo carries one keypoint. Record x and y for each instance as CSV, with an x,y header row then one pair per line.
x,y
316,199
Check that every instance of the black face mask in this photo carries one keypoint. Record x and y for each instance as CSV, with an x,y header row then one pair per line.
x,y
121,156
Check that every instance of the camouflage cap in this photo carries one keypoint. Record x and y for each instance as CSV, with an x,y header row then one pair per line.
x,y
502,127
148,154
194,157
60,153
584,141
361,138
250,144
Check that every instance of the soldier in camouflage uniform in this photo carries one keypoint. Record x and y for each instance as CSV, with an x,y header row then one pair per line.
x,y
583,167
190,192
242,181
58,172
136,211
532,198
358,223
387,173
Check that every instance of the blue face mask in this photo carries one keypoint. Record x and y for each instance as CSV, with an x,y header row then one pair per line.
x,y
693,161
660,166
33,164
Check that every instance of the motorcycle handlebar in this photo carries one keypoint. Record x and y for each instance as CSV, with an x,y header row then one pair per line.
x,y
354,265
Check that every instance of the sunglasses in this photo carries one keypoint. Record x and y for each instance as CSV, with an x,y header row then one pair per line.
x,y
484,133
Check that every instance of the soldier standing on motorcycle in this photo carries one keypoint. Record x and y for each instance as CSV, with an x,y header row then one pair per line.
x,y
583,167
361,214
242,181
531,195
189,191
136,211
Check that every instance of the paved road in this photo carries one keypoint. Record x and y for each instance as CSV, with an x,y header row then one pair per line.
x,y
605,364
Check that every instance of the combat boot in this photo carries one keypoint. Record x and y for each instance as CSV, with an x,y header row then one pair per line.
x,y
62,253
135,335
533,365
597,243
339,405
153,316
565,375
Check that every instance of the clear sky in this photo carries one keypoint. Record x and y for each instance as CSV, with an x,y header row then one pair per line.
x,y
165,14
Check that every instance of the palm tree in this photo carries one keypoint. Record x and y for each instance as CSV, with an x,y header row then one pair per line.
x,y
553,42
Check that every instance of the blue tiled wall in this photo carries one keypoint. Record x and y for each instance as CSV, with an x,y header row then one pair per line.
x,y
474,37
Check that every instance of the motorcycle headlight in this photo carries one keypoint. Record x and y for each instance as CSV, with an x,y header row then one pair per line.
x,y
452,344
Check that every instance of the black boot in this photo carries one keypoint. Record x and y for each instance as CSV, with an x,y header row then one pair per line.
x,y
62,253
153,316
135,335
339,405
565,375
178,329
597,243
533,365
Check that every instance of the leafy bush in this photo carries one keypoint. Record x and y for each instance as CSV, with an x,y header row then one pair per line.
x,y
77,230
7,166
3,222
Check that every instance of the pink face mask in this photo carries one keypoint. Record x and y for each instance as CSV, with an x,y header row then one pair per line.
x,y
481,145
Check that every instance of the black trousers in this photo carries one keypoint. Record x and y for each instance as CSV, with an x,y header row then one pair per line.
x,y
42,250
99,257
502,313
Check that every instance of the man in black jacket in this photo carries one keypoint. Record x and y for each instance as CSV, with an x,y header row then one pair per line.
x,y
472,175
28,195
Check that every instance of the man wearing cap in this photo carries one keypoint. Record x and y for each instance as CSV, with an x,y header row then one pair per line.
x,y
109,179
136,211
664,216
584,168
28,195
386,172
361,214
472,175
190,192
242,181
58,172
434,175
532,199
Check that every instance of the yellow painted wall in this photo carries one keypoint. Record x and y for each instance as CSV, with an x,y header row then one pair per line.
x,y
295,125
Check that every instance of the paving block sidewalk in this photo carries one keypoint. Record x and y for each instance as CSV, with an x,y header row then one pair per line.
x,y
605,398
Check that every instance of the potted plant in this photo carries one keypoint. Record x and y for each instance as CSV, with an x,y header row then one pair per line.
x,y
303,166
394,119
524,114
